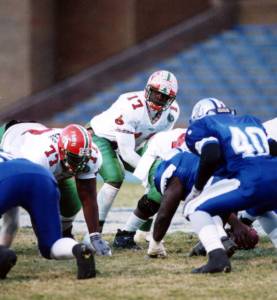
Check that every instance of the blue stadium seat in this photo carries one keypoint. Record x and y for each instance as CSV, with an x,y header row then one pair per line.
x,y
238,66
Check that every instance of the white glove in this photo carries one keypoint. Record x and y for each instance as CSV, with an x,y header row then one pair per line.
x,y
156,249
100,246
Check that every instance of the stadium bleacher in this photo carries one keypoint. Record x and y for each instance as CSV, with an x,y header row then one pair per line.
x,y
238,66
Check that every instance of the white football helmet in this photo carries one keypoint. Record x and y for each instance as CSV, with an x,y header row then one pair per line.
x,y
207,107
161,90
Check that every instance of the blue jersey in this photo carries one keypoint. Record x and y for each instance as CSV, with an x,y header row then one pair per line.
x,y
250,171
29,185
241,138
183,165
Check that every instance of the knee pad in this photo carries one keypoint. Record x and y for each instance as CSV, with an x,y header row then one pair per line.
x,y
147,206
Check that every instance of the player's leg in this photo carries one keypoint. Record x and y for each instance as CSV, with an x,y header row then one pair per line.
x,y
146,208
10,224
143,232
42,203
219,199
267,219
113,175
70,205
8,198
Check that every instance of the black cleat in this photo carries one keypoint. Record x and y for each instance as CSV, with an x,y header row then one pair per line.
x,y
125,240
229,245
67,233
198,250
218,262
8,259
85,261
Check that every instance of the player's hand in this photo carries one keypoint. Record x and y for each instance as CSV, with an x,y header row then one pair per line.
x,y
156,249
100,246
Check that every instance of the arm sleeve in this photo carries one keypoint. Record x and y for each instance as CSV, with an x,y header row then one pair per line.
x,y
126,146
210,159
272,147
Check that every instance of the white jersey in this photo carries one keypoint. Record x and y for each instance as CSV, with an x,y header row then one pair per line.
x,y
271,128
163,145
129,114
39,144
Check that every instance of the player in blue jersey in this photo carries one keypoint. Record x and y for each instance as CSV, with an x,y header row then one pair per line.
x,y
174,179
236,147
29,185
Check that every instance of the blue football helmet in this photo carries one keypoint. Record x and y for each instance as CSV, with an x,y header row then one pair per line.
x,y
207,107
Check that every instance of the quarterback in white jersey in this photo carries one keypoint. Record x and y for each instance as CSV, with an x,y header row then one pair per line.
x,y
73,159
121,131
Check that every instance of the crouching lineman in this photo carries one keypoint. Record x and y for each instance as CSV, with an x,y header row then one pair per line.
x,y
74,160
267,220
29,185
238,146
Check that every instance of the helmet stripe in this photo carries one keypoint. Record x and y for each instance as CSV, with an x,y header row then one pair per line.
x,y
168,76
214,103
85,134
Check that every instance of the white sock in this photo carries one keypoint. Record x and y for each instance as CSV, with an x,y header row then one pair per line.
x,y
133,223
268,222
62,248
204,226
219,226
105,199
67,222
10,224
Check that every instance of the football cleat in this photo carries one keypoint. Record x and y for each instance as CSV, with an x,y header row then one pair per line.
x,y
229,245
218,262
8,259
125,240
85,261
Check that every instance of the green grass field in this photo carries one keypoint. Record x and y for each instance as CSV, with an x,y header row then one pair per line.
x,y
129,275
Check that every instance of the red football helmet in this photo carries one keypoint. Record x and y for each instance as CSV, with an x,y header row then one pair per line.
x,y
75,146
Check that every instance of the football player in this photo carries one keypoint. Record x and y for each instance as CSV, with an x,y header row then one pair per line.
x,y
161,146
31,186
74,160
267,220
238,148
121,131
